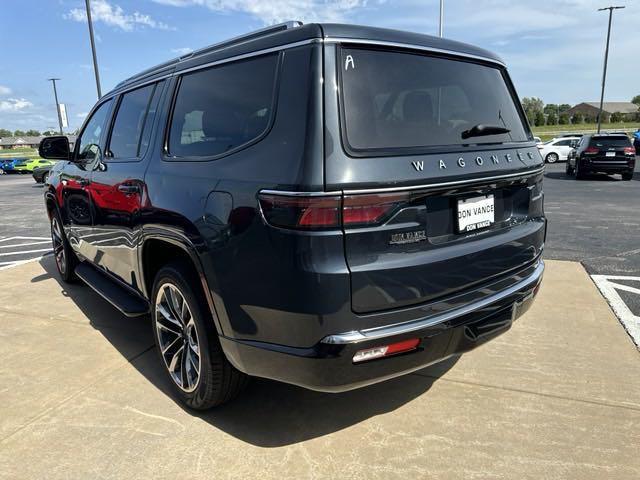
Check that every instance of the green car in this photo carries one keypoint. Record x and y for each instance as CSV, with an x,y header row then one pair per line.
x,y
28,165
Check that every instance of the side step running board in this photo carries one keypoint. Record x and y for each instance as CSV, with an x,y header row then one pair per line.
x,y
118,296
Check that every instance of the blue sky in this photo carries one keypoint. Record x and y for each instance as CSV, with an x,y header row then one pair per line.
x,y
553,48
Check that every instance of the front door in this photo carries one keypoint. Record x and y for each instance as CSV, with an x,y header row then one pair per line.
x,y
75,181
117,184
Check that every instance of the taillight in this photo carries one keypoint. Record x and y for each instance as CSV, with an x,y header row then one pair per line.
x,y
301,212
363,210
321,212
591,150
629,150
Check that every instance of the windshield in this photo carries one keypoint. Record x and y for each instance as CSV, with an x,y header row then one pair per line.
x,y
404,100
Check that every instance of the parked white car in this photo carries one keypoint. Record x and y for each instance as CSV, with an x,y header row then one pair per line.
x,y
558,148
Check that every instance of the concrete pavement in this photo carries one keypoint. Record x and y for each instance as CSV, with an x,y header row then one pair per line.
x,y
81,396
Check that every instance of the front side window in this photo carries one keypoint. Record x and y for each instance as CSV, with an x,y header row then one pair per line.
x,y
393,100
89,141
222,108
129,123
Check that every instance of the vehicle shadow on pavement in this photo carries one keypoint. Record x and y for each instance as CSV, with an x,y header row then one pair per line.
x,y
268,413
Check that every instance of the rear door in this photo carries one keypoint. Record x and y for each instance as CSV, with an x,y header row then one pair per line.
x,y
117,183
440,174
610,150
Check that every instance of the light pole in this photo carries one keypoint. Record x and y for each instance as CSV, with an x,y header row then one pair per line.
x,y
440,28
93,49
606,57
55,95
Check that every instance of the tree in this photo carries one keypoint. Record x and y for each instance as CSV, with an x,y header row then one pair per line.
x,y
552,119
590,119
563,119
577,118
18,133
49,133
539,120
563,107
5,133
32,133
616,117
532,105
636,100
550,108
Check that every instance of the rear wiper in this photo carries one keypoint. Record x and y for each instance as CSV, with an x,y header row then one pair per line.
x,y
481,130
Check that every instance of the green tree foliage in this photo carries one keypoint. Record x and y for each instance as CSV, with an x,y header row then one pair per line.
x,y
550,108
563,119
636,100
18,133
617,117
532,105
5,133
32,133
539,120
563,107
577,118
552,119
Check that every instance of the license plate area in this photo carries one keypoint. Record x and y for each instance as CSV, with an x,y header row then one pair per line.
x,y
475,213
611,154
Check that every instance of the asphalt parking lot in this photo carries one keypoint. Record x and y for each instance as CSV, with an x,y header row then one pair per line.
x,y
558,396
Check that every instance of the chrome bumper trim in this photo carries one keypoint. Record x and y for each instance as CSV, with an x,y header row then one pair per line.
x,y
358,336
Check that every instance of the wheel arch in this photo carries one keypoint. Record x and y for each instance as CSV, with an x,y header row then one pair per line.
x,y
158,247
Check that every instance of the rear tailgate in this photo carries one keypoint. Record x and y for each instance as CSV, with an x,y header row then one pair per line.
x,y
407,174
610,150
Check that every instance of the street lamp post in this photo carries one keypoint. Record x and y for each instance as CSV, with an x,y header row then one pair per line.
x,y
440,28
55,95
93,48
606,57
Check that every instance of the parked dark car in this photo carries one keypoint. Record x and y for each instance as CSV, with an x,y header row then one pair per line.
x,y
603,153
324,205
41,174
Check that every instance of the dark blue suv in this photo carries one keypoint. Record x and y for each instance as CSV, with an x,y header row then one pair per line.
x,y
324,205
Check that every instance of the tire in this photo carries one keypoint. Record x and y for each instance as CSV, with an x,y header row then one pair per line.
x,y
186,335
64,255
627,176
569,169
45,177
578,172
551,157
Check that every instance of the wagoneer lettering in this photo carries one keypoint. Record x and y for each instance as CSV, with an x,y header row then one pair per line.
x,y
286,205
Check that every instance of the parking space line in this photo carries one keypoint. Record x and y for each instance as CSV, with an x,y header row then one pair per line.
x,y
25,251
8,265
609,289
41,242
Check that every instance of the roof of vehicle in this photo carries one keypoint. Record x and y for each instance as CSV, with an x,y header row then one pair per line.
x,y
294,32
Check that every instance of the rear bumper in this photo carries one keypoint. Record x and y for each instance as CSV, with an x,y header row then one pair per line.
x,y
608,166
328,365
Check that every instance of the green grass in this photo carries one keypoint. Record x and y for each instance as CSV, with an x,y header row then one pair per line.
x,y
548,132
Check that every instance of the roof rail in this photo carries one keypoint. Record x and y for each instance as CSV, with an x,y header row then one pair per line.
x,y
217,46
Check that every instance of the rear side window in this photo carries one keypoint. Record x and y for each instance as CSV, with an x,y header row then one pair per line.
x,y
393,100
131,120
610,141
222,108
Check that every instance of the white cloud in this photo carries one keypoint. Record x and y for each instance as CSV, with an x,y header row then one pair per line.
x,y
114,16
276,11
4,90
14,104
182,50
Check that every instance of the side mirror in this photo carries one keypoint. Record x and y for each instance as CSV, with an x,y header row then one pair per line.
x,y
55,148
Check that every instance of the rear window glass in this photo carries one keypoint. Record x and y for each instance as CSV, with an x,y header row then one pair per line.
x,y
222,108
402,100
610,142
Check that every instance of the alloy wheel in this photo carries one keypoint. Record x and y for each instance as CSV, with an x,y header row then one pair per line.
x,y
552,158
58,245
177,337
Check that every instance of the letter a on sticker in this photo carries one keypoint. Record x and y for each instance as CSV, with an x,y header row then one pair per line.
x,y
347,62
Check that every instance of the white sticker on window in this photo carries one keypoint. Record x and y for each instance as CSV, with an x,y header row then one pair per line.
x,y
347,62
